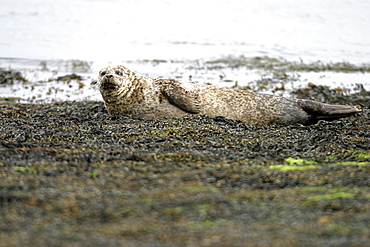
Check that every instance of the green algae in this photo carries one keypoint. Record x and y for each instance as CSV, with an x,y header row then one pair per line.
x,y
337,195
362,155
292,168
166,155
295,165
94,174
330,158
24,169
351,163
301,162
337,228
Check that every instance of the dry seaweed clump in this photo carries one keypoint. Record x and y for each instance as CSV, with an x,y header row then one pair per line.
x,y
281,64
70,174
333,96
10,76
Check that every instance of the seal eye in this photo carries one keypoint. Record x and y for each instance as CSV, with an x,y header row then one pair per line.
x,y
103,73
118,72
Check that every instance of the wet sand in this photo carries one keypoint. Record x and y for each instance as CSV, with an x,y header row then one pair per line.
x,y
71,175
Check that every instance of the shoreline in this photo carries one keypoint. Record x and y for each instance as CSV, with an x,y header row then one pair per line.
x,y
71,80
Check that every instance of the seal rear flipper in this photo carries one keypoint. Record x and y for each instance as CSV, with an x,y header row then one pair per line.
x,y
321,111
179,97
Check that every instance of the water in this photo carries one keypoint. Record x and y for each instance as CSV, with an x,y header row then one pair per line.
x,y
104,32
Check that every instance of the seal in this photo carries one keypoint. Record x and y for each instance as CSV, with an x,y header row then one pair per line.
x,y
128,93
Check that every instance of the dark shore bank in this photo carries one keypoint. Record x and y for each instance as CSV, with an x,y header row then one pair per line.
x,y
71,175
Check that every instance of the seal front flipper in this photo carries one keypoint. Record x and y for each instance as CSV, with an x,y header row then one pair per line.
x,y
179,97
321,111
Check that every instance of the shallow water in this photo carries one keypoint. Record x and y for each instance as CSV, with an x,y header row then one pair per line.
x,y
56,34
109,31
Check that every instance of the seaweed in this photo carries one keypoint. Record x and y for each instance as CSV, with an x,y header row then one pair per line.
x,y
70,174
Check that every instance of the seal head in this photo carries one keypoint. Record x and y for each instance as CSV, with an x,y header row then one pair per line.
x,y
125,92
111,81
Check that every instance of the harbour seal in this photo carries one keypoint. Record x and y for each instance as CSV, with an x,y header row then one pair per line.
x,y
128,93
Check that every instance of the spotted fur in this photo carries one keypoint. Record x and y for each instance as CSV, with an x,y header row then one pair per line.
x,y
127,93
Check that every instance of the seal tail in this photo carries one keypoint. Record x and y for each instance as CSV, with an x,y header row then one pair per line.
x,y
327,112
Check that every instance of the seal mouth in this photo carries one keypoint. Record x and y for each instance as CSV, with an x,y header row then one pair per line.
x,y
108,85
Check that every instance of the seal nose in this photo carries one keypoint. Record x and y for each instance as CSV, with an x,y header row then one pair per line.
x,y
109,76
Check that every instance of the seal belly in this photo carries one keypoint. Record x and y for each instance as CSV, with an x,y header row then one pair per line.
x,y
147,111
